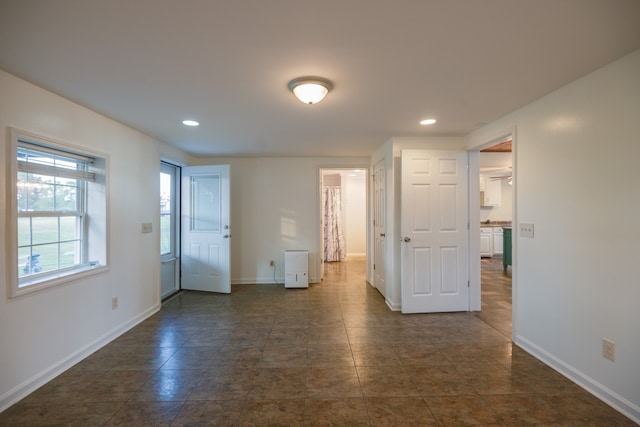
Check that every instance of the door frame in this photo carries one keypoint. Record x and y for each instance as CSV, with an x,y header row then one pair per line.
x,y
474,218
176,201
365,169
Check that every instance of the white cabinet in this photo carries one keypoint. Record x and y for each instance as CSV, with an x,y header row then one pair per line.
x,y
296,266
492,194
497,241
486,241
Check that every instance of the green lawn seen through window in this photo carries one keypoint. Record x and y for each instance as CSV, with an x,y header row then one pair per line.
x,y
54,241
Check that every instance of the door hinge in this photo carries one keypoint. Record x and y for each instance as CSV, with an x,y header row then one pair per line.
x,y
468,283
374,266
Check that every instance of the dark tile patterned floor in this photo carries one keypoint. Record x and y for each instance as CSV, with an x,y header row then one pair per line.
x,y
330,355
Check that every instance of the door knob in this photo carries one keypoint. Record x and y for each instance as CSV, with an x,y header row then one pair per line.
x,y
382,235
407,239
226,236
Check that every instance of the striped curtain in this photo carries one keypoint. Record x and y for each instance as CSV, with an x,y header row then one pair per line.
x,y
334,247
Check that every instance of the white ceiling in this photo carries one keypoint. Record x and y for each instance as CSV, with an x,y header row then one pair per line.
x,y
152,63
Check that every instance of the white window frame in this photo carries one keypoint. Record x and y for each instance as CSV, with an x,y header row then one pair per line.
x,y
94,233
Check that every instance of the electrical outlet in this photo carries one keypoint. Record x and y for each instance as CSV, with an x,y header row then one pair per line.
x,y
147,227
114,303
608,349
526,230
272,263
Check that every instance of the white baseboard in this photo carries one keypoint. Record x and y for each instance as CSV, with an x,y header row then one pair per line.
x,y
46,375
393,306
258,281
266,281
603,393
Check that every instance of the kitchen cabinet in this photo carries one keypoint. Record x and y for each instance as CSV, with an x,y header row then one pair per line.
x,y
492,194
486,241
498,242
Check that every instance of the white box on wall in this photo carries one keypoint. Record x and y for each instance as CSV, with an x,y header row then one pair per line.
x,y
296,269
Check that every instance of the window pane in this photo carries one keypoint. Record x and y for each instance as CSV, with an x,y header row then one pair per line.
x,y
24,231
69,228
205,203
165,234
40,193
48,256
69,254
22,191
165,213
66,197
23,261
44,230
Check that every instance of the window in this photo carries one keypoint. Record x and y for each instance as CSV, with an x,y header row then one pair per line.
x,y
60,212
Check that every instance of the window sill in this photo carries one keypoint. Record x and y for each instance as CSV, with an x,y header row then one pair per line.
x,y
40,283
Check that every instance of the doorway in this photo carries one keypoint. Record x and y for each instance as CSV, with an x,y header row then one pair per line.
x,y
343,215
495,211
169,229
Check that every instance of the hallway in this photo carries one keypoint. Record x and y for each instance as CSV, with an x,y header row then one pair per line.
x,y
332,354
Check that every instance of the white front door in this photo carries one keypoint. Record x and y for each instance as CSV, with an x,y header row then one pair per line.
x,y
379,227
434,218
206,229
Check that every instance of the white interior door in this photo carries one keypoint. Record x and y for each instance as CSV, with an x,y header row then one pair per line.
x,y
434,218
206,228
379,227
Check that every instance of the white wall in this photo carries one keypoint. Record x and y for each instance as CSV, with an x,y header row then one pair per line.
x,y
45,332
355,206
275,206
577,181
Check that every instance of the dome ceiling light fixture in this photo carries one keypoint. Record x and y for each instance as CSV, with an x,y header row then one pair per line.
x,y
310,89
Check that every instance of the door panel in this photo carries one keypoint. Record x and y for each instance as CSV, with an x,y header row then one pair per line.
x,y
379,227
434,230
206,229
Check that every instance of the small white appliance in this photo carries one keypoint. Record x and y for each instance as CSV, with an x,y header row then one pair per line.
x,y
296,269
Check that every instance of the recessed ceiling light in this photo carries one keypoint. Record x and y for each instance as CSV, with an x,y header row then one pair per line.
x,y
190,123
428,122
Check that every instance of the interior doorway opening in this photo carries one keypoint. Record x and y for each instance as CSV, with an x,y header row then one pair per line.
x,y
496,182
343,215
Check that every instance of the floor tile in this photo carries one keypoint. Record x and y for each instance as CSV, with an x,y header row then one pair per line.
x,y
336,412
399,411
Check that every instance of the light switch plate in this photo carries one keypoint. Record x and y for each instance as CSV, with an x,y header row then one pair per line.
x,y
147,227
526,230
608,349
